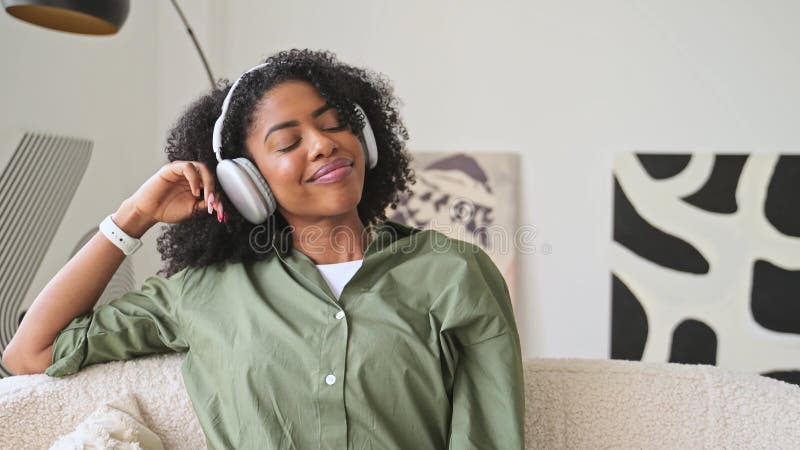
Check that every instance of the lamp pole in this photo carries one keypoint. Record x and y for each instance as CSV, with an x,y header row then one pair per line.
x,y
196,44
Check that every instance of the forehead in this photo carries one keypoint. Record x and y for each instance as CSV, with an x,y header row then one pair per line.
x,y
290,100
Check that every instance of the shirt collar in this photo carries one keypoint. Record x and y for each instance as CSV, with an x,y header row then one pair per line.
x,y
383,235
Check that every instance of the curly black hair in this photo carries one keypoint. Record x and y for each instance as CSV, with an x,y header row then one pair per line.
x,y
201,240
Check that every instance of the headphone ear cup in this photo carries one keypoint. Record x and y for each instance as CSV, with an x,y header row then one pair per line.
x,y
368,141
261,184
247,189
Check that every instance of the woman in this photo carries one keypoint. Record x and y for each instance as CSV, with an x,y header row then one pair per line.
x,y
316,325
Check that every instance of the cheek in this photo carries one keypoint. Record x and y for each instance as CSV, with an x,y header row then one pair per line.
x,y
281,173
349,145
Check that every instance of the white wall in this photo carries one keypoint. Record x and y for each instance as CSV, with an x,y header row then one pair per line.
x,y
566,84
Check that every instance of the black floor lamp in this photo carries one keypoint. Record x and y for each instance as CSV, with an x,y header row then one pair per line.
x,y
86,17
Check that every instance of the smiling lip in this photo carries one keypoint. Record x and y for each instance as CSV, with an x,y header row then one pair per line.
x,y
341,166
334,175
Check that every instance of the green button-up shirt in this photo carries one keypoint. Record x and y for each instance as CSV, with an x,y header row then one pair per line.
x,y
420,352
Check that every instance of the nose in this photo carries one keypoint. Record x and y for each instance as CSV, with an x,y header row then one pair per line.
x,y
321,145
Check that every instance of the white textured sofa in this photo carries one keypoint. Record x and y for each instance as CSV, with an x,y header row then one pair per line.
x,y
571,403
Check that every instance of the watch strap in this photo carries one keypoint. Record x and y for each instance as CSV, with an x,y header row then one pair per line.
x,y
121,239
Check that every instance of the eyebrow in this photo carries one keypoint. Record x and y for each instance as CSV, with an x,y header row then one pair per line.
x,y
293,123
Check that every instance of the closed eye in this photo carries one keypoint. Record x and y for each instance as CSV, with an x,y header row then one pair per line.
x,y
293,146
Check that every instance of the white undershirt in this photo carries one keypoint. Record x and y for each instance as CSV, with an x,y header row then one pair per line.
x,y
337,275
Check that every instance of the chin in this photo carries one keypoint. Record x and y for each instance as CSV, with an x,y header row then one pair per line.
x,y
328,202
333,206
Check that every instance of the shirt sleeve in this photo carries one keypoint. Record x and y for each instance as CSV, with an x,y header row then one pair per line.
x,y
481,349
488,397
141,322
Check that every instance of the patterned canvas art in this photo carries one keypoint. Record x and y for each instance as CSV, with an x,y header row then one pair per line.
x,y
471,197
706,261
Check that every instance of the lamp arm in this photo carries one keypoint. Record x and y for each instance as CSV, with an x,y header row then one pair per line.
x,y
196,44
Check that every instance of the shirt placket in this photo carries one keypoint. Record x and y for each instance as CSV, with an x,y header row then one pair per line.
x,y
332,359
331,402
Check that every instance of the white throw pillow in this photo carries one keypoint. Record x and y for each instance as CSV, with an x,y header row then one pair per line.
x,y
116,425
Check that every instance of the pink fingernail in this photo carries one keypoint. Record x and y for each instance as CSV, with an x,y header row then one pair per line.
x,y
210,202
219,215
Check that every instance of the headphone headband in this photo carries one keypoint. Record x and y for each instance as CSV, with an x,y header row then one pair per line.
x,y
216,140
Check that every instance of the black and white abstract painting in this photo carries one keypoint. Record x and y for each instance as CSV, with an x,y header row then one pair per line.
x,y
706,261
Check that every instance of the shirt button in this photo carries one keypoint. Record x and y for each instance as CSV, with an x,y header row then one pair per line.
x,y
330,379
340,315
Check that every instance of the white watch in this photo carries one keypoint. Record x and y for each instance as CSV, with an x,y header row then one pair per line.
x,y
121,239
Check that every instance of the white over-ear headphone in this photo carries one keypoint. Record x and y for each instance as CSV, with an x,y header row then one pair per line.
x,y
243,183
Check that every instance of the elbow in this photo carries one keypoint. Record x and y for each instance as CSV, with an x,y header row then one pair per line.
x,y
20,365
11,362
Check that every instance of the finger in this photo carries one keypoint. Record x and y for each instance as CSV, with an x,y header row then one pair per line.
x,y
210,199
208,179
196,165
191,175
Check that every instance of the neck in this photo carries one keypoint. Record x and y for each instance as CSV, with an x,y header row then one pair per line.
x,y
330,239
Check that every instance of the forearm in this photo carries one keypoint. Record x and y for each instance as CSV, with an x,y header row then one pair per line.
x,y
73,291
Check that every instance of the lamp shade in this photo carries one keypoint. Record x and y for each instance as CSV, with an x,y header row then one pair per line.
x,y
75,16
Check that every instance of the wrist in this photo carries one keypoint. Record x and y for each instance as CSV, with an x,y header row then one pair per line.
x,y
131,221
